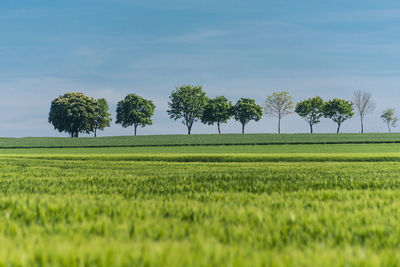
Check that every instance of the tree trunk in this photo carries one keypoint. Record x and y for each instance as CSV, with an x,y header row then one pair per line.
x,y
362,124
76,134
189,129
338,128
242,128
72,134
219,128
95,132
279,125
389,128
136,130
311,128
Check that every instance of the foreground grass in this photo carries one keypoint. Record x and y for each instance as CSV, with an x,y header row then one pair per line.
x,y
123,210
200,139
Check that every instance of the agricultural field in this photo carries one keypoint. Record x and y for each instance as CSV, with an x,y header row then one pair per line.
x,y
198,139
242,205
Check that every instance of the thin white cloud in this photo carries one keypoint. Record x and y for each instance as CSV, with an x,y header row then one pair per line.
x,y
92,57
370,15
197,36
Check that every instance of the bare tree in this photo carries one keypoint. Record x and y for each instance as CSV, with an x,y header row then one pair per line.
x,y
363,104
278,105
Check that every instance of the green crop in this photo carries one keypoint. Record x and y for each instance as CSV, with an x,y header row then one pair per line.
x,y
236,149
120,207
117,204
198,139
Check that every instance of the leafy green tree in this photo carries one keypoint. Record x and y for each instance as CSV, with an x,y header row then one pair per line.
x,y
246,110
217,110
102,118
311,110
135,110
338,110
278,105
73,113
187,103
388,117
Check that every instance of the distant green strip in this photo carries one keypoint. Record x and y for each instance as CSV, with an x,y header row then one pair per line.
x,y
318,157
198,140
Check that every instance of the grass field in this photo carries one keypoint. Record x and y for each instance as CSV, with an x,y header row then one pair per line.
x,y
199,139
276,205
196,150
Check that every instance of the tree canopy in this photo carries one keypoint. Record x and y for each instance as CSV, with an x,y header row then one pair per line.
x,y
73,113
389,118
246,110
102,118
187,103
135,110
217,110
278,105
311,110
338,110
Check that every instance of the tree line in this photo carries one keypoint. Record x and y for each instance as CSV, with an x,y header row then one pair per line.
x,y
76,113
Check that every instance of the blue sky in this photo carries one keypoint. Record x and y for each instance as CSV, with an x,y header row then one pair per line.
x,y
233,48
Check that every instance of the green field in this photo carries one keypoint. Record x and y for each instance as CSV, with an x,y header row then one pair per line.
x,y
259,205
196,150
199,139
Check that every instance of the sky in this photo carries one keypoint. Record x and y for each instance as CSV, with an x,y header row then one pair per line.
x,y
234,48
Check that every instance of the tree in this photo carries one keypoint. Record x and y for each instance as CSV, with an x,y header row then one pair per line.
x,y
246,110
217,110
311,110
187,103
389,118
338,110
73,113
364,105
135,110
102,117
278,105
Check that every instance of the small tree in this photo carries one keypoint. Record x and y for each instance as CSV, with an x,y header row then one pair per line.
x,y
246,110
73,113
102,117
388,117
217,110
364,105
135,110
187,103
338,110
311,110
278,105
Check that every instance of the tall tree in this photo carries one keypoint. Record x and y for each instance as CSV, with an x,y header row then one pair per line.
x,y
388,116
246,110
311,110
338,110
135,110
364,105
102,117
278,105
217,110
73,113
187,103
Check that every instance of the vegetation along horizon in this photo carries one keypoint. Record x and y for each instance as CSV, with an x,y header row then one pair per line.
x,y
76,113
